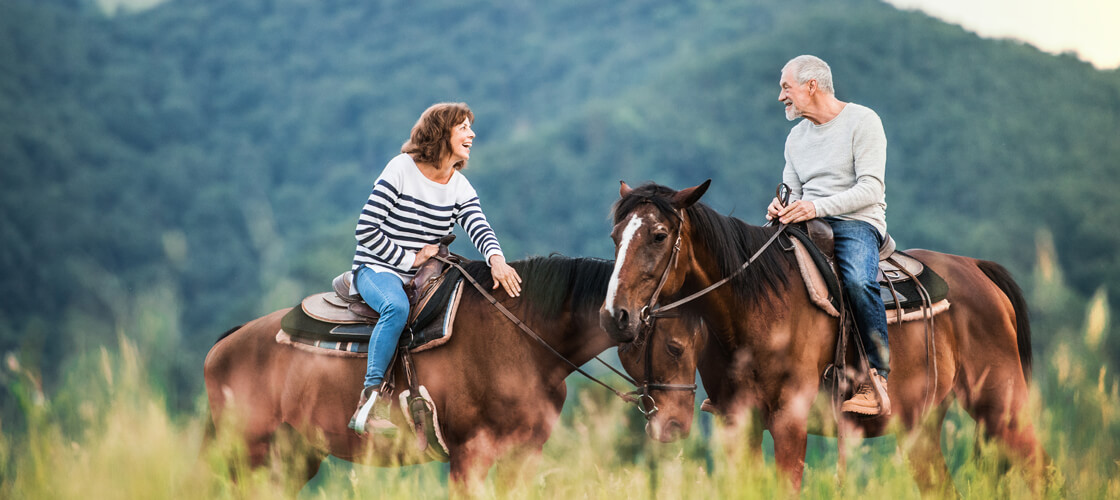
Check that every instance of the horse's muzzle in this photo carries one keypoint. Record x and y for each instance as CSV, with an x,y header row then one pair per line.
x,y
666,431
622,326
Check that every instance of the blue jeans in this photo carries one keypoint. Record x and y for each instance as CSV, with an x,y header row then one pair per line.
x,y
384,292
857,260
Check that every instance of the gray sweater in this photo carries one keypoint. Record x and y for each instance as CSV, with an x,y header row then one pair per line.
x,y
840,165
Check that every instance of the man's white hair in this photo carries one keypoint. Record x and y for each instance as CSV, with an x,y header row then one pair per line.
x,y
807,67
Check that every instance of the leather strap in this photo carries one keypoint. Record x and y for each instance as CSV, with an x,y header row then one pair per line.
x,y
529,331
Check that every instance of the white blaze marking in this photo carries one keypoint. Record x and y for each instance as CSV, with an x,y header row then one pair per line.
x,y
623,247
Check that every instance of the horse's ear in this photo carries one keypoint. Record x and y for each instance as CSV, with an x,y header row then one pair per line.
x,y
686,197
624,190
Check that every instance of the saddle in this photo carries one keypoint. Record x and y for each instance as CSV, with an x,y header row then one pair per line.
x,y
907,286
330,319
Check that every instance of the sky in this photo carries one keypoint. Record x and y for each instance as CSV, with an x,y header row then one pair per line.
x,y
1085,27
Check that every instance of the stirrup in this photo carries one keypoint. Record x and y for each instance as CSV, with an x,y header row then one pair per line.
x,y
371,411
358,420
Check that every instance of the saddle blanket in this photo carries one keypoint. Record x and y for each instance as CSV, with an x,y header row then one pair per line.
x,y
301,330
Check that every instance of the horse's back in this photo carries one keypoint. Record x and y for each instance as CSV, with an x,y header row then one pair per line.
x,y
970,287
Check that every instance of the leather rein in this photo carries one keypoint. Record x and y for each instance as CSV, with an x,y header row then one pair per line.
x,y
637,397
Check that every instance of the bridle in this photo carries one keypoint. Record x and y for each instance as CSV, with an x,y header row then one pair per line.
x,y
647,317
639,397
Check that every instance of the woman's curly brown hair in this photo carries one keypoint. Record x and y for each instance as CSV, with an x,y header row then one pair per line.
x,y
430,139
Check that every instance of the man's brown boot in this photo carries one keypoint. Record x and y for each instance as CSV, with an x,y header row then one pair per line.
x,y
870,398
372,415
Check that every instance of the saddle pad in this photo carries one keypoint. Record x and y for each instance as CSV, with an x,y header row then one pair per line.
x,y
896,316
905,290
819,290
304,328
324,347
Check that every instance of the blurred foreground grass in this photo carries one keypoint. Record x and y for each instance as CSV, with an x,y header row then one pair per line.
x,y
106,432
119,441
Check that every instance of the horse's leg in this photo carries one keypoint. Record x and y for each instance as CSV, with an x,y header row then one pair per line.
x,y
788,426
470,462
743,421
923,451
757,427
293,458
997,404
848,434
516,469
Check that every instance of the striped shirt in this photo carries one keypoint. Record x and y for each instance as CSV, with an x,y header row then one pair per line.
x,y
407,211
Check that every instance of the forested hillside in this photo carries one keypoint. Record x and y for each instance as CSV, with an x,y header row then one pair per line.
x,y
190,167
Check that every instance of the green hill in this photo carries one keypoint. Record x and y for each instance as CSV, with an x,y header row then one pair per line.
x,y
192,166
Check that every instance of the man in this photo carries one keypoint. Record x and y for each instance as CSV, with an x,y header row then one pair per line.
x,y
835,161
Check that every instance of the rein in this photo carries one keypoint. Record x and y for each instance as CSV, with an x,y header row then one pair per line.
x,y
629,397
652,310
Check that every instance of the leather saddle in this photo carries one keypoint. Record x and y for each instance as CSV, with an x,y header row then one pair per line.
x,y
344,317
903,279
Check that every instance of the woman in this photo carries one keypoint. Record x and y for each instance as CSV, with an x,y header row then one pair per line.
x,y
416,200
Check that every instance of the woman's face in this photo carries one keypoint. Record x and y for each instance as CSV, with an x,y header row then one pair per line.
x,y
462,138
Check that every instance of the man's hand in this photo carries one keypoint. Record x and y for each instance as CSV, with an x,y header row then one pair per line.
x,y
773,210
424,254
505,276
797,211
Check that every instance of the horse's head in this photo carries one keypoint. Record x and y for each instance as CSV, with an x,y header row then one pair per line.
x,y
665,366
649,240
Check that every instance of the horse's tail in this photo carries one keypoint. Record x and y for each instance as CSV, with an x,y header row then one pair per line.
x,y
1002,278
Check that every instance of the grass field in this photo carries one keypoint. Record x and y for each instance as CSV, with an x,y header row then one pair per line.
x,y
106,432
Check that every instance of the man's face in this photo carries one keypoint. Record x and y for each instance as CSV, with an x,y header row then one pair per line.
x,y
794,95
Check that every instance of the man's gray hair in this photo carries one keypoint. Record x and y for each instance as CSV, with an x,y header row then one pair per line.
x,y
806,67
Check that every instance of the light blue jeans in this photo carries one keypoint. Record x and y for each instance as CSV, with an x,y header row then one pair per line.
x,y
857,260
384,292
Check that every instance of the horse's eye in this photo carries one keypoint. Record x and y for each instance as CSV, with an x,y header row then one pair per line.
x,y
659,237
675,350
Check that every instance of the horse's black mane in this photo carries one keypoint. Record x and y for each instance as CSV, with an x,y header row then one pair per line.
x,y
730,240
547,282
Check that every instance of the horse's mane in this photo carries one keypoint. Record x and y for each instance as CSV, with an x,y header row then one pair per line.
x,y
547,282
729,240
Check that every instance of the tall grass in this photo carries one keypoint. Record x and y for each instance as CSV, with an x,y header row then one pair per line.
x,y
107,432
127,445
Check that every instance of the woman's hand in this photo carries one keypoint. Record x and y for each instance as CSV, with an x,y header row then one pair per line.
x,y
424,254
505,276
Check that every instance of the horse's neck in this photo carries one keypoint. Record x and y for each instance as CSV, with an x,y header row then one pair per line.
x,y
719,307
577,340
585,339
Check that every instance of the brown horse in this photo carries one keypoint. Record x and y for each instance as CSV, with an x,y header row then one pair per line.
x,y
498,392
769,345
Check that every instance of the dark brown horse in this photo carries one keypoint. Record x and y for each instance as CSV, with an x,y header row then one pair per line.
x,y
498,392
769,345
